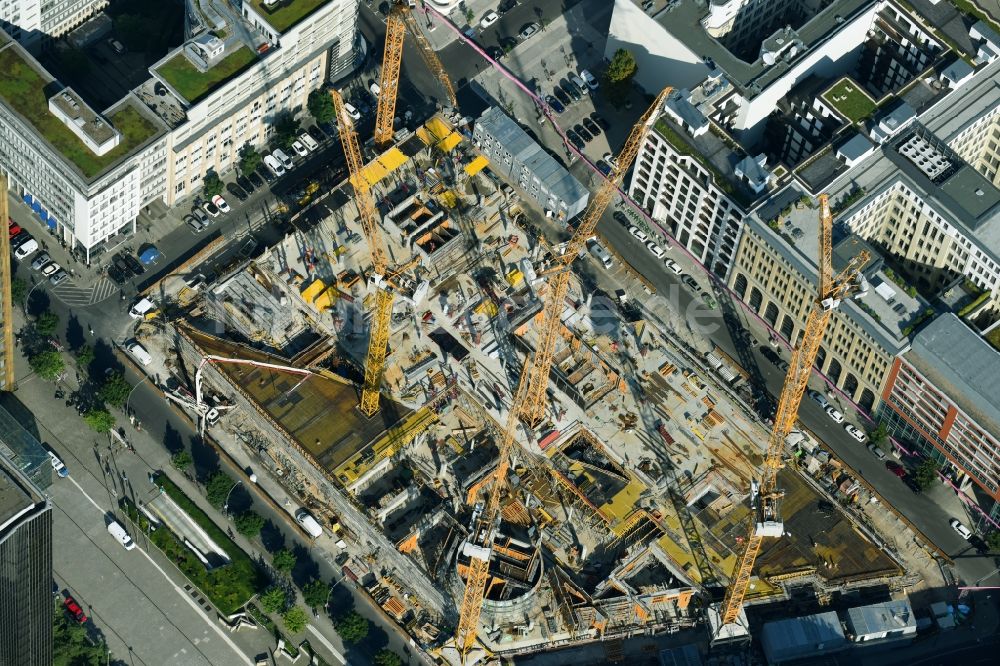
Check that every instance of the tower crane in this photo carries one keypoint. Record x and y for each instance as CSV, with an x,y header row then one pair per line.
x,y
528,400
381,277
398,22
765,495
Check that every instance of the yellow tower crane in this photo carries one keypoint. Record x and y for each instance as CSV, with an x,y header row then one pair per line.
x,y
378,341
765,495
528,400
398,22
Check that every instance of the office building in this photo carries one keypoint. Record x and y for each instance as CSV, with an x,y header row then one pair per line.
x,y
25,569
942,399
517,157
36,23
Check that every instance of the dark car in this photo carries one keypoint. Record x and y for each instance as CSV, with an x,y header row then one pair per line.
x,y
690,282
896,468
591,126
582,131
575,140
257,181
555,104
119,260
506,6
316,133
236,191
264,172
134,265
116,275
245,183
605,168
494,52
571,90
600,120
622,219
562,96
19,239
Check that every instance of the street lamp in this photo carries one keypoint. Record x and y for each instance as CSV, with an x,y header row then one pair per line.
x,y
137,384
225,505
24,304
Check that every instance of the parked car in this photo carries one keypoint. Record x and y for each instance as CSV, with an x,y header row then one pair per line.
x,y
562,96
40,261
638,233
856,432
610,159
211,209
221,204
299,148
575,139
555,104
673,266
834,415
589,79
691,283
50,269
592,127
603,167
877,452
818,397
708,300
274,166
571,90
134,264
58,466
506,6
582,131
489,19
657,251
316,133
237,191
962,530
13,229
374,87
285,160
528,30
620,217
600,120
58,278
25,248
197,226
256,179
494,52
199,214
352,111
896,468
74,609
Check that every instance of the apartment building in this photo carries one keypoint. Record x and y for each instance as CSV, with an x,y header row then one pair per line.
x,y
942,398
515,155
88,173
36,22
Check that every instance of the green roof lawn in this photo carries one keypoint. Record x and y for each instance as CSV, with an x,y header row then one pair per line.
x,y
287,13
23,89
192,84
853,105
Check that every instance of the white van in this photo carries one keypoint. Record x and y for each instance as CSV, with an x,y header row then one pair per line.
x,y
580,83
602,255
121,536
309,141
139,353
308,523
141,309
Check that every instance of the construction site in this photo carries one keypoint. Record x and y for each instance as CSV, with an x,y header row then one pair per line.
x,y
508,473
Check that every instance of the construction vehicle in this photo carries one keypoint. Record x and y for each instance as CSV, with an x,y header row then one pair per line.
x,y
386,283
397,23
529,400
765,496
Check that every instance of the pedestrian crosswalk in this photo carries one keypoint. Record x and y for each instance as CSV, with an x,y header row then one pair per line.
x,y
75,296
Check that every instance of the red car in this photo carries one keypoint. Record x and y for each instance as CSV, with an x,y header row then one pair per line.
x,y
896,468
13,230
74,609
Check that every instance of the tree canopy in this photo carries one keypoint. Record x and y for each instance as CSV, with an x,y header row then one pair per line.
x,y
217,488
47,364
619,75
320,105
286,129
115,389
351,626
926,473
212,185
249,159
274,600
284,560
99,420
249,524
181,460
386,657
71,644
295,619
315,593
47,323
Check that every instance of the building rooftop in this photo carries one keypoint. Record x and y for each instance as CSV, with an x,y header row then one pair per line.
x,y
850,99
802,636
877,618
26,88
963,365
283,14
18,494
89,123
191,83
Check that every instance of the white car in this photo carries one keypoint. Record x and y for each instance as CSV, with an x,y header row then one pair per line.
x,y
856,432
589,79
817,396
877,452
962,530
610,159
274,165
299,149
26,249
638,233
673,265
489,19
834,414
221,204
50,268
657,251
285,160
529,30
57,465
375,88
351,111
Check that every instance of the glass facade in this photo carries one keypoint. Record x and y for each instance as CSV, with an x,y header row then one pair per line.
x,y
24,451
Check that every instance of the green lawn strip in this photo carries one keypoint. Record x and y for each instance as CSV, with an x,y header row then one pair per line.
x,y
24,90
993,337
970,8
192,84
854,105
685,148
229,586
288,12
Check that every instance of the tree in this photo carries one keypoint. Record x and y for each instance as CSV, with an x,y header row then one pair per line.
x,y
286,129
85,356
249,524
926,473
878,434
386,657
217,489
274,599
295,619
18,290
115,389
320,105
71,644
284,561
47,364
351,626
181,460
249,159
621,70
993,540
212,185
47,323
315,593
100,420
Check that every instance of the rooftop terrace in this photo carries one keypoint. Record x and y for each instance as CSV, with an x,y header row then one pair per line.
x,y
848,98
193,84
26,90
284,14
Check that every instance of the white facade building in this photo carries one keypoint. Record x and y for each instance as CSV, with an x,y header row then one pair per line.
x,y
32,22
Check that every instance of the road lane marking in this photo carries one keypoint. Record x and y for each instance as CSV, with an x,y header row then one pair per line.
x,y
179,591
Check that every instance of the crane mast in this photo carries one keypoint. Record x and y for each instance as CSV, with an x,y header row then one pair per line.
x,y
392,58
429,56
527,401
378,340
765,495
